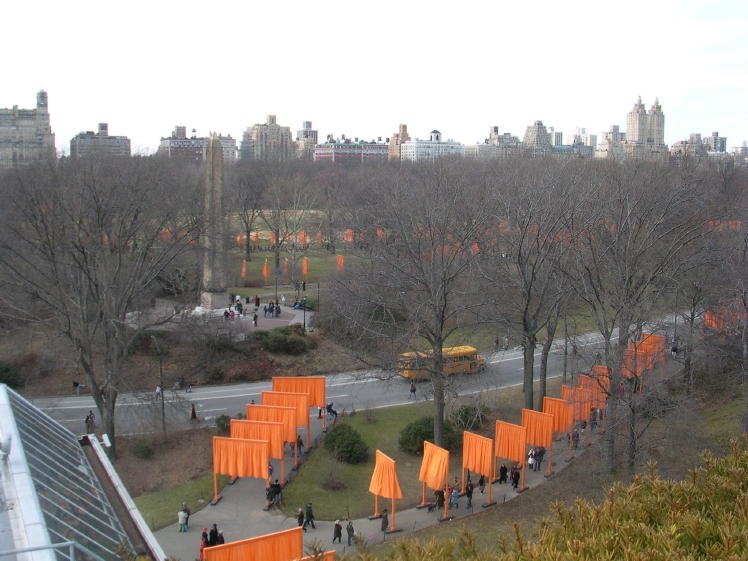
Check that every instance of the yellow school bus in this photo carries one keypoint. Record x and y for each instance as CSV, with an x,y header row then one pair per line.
x,y
457,360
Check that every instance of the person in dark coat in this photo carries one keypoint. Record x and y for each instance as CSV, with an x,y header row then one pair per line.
x,y
349,530
515,477
385,520
337,532
309,516
300,517
503,473
213,536
469,494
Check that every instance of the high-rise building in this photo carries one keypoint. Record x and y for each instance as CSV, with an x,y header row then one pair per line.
x,y
611,146
25,134
90,144
306,140
645,133
537,140
428,150
716,143
396,140
497,145
268,142
179,145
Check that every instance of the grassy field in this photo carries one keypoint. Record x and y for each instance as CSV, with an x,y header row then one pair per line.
x,y
380,429
159,510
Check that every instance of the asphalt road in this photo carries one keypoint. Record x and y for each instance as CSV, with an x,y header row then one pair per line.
x,y
141,414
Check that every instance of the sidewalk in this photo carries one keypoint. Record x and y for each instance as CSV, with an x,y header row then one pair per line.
x,y
240,513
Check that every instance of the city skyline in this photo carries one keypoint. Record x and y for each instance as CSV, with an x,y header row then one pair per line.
x,y
363,72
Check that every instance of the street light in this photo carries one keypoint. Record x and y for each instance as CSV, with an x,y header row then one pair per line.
x,y
303,307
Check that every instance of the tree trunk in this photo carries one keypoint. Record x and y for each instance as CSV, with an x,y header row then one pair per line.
x,y
528,345
633,444
546,350
247,246
438,385
687,367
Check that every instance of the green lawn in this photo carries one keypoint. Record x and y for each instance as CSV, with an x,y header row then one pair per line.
x,y
380,429
724,421
159,509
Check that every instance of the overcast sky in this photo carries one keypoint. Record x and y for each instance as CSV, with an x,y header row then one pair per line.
x,y
360,68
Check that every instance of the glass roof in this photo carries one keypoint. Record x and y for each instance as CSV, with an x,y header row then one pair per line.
x,y
73,503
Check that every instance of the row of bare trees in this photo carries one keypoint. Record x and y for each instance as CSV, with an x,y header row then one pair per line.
x,y
521,245
518,244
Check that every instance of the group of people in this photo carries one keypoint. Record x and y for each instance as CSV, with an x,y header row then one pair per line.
x,y
337,531
273,309
274,492
535,458
507,475
209,539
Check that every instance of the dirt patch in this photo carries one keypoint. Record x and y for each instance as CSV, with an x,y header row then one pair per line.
x,y
177,458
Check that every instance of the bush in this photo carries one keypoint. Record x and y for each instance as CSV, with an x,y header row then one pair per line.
x,y
223,424
11,376
142,450
345,444
469,417
413,435
289,339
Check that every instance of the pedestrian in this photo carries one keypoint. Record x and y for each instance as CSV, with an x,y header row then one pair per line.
x,y
299,442
531,459
77,387
502,474
469,494
189,387
204,541
303,286
349,530
300,518
213,536
283,299
412,390
221,539
158,391
89,428
309,516
265,310
254,319
226,314
193,413
385,521
337,532
539,455
189,512
439,495
482,483
270,469
455,500
515,478
182,520
257,301
575,438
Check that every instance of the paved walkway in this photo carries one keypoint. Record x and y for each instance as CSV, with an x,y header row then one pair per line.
x,y
240,513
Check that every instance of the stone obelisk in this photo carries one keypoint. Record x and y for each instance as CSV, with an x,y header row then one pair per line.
x,y
213,291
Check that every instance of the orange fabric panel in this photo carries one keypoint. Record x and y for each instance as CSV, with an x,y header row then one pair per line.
x,y
260,430
598,394
580,398
384,479
313,385
340,262
435,466
286,545
477,453
239,457
562,411
539,427
510,441
275,414
304,263
601,374
299,401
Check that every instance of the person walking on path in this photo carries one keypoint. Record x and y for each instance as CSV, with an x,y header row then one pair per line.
x,y
349,530
337,532
575,438
182,520
385,521
515,477
300,518
309,517
455,500
193,413
203,544
482,483
213,536
469,494
189,512
502,474
412,390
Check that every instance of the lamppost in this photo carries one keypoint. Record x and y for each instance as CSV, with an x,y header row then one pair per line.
x,y
303,307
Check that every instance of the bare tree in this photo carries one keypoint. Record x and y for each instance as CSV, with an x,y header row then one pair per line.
x,y
83,242
521,261
638,219
409,286
246,184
